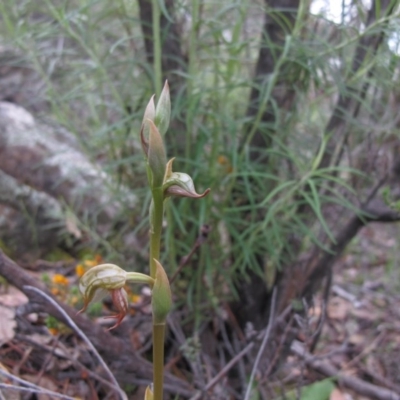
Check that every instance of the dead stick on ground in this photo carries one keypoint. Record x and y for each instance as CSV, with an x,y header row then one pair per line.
x,y
263,344
358,385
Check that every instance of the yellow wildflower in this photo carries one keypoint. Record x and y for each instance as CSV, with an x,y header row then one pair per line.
x,y
59,279
79,270
135,298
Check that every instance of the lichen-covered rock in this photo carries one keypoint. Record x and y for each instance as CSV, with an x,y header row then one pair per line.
x,y
42,169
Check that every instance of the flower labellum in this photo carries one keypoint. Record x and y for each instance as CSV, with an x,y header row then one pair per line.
x,y
120,301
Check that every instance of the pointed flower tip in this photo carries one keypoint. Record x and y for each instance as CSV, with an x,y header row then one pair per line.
x,y
83,309
168,169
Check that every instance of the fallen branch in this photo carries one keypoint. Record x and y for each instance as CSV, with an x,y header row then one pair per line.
x,y
324,367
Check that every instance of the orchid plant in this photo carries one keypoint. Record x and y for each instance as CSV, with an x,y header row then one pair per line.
x,y
111,279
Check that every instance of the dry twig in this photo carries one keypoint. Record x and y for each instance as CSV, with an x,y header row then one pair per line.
x,y
358,385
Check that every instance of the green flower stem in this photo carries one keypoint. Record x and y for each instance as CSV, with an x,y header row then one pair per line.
x,y
158,360
157,47
156,219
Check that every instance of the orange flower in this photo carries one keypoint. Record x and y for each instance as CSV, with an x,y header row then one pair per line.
x,y
54,331
135,298
79,270
223,160
59,279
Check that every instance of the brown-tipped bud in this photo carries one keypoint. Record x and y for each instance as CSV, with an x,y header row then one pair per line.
x,y
157,158
163,110
161,296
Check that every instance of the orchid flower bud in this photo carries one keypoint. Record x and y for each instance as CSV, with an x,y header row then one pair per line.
x,y
159,115
163,110
98,281
179,184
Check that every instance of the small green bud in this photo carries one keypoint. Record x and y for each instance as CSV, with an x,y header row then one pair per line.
x,y
161,296
157,158
163,110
